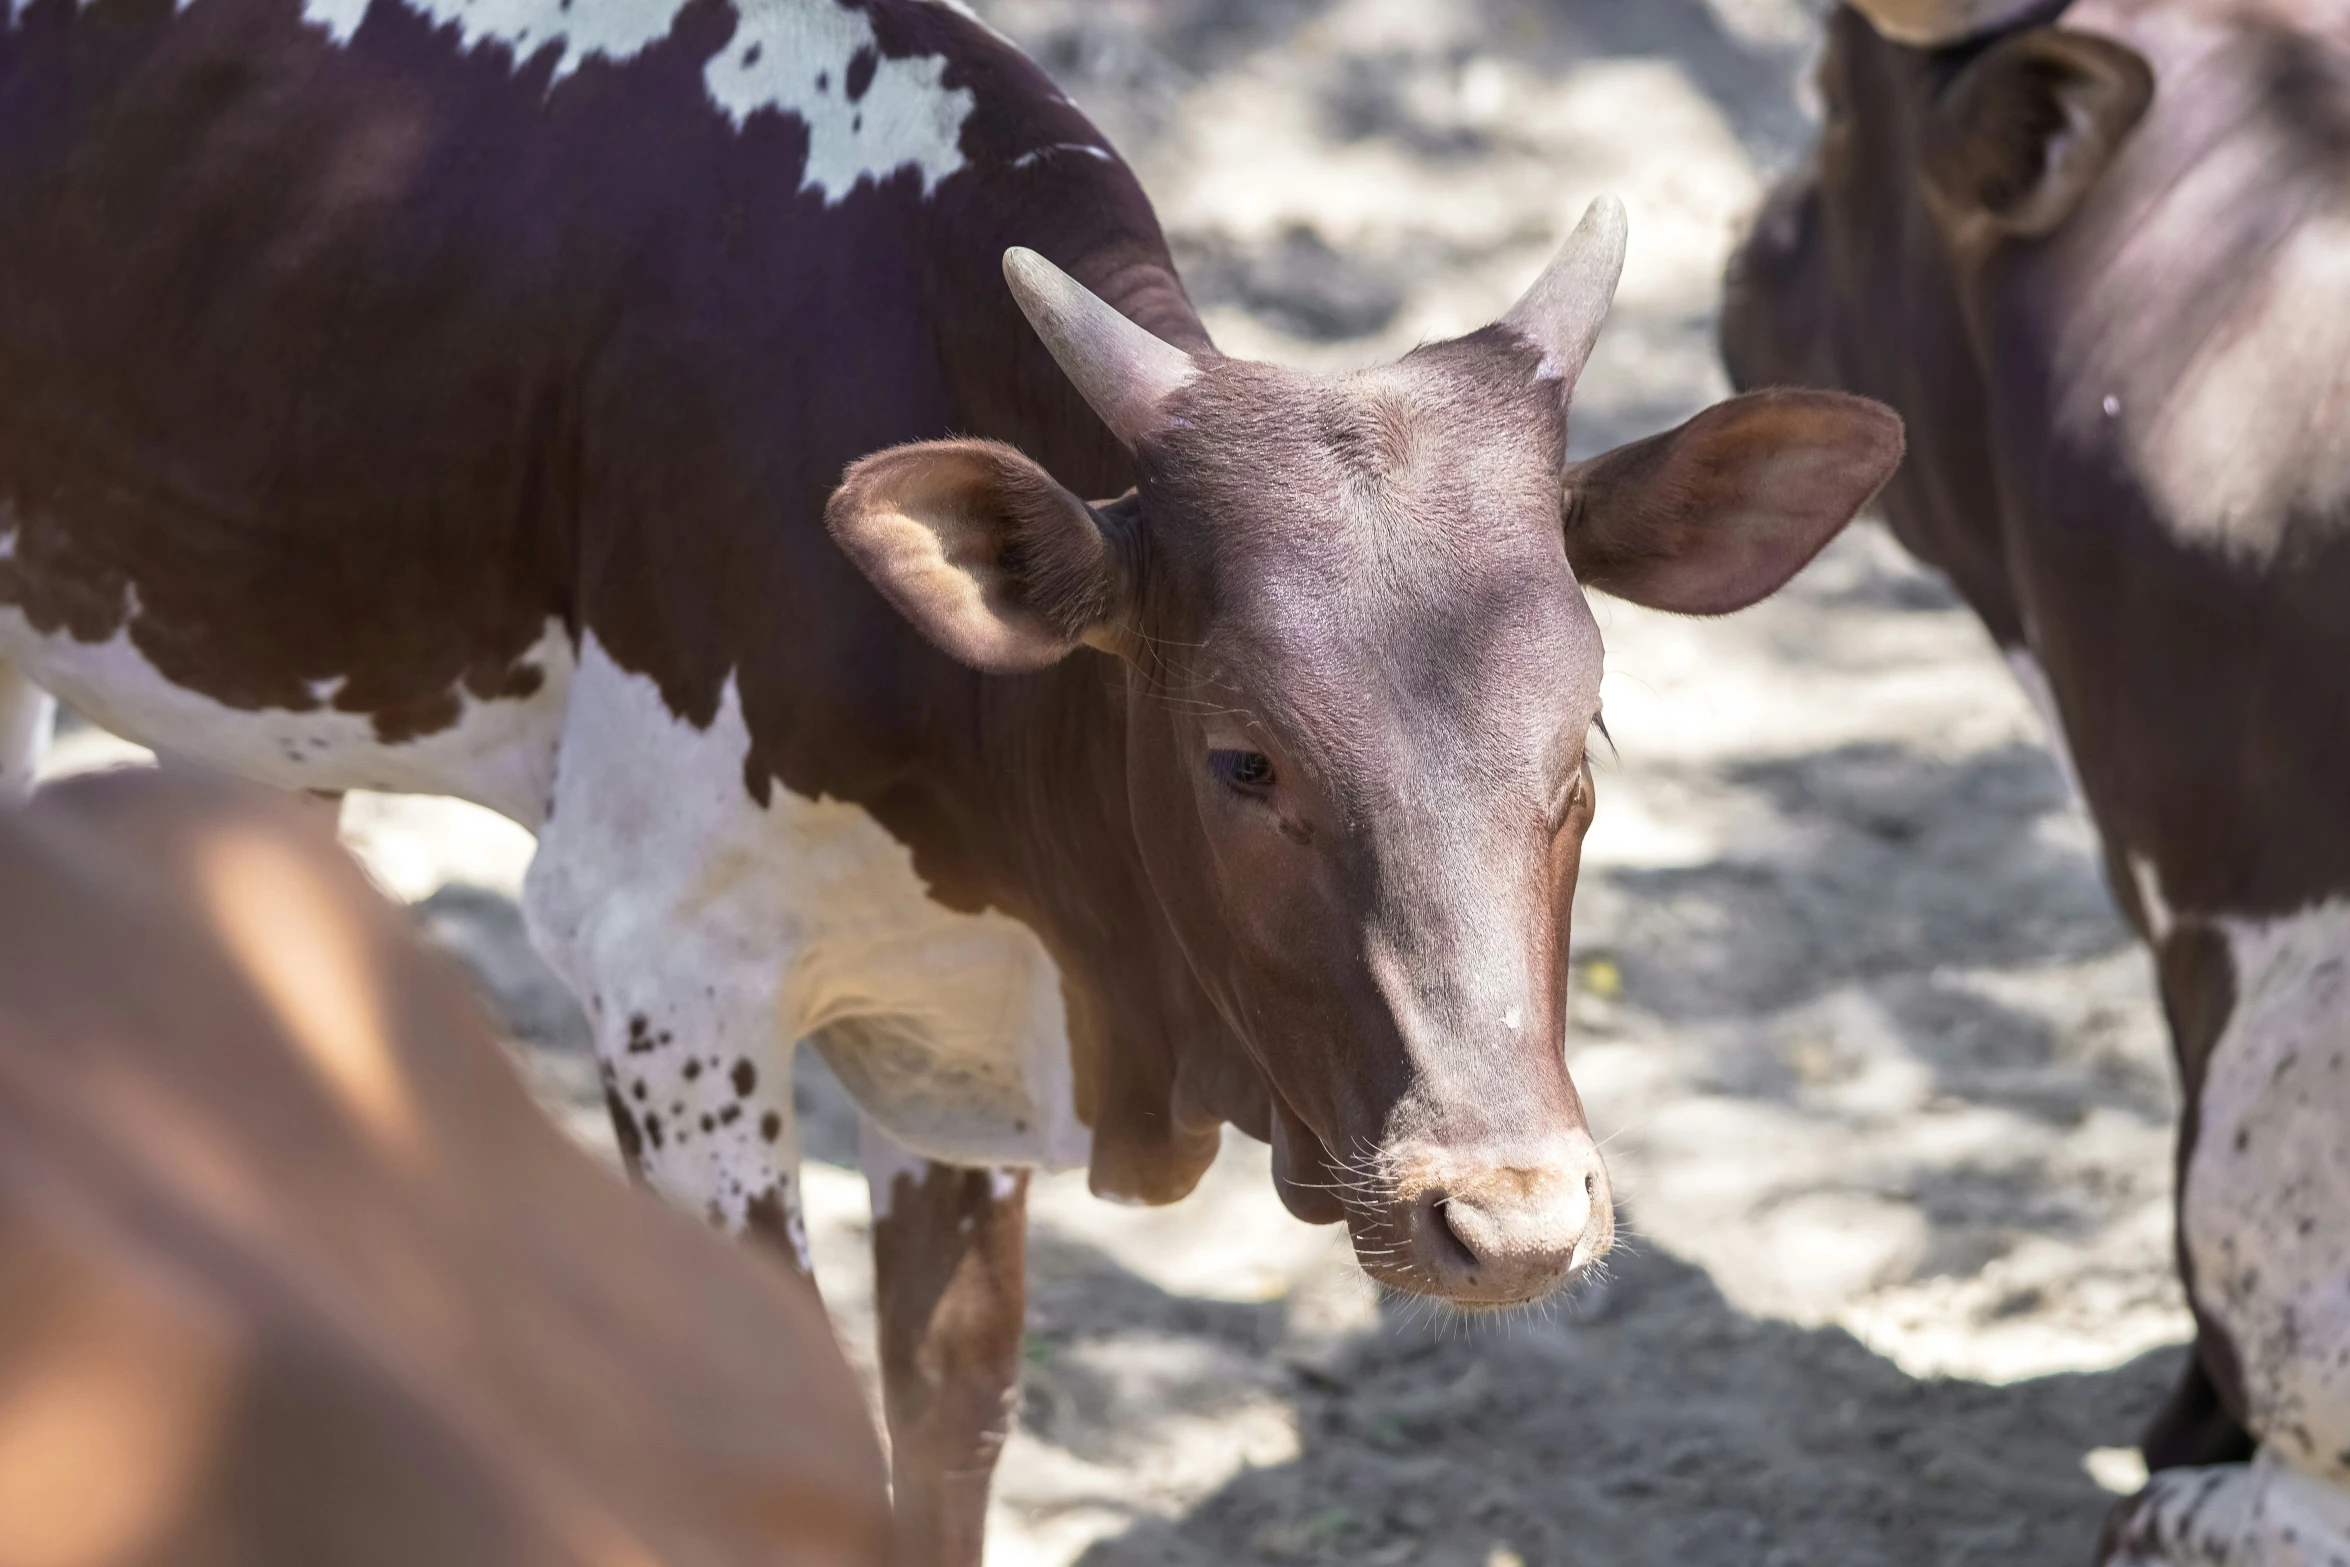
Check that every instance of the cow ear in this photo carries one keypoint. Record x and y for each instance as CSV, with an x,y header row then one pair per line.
x,y
992,561
2024,132
1716,514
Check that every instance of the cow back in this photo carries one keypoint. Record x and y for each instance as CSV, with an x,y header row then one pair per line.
x,y
292,1269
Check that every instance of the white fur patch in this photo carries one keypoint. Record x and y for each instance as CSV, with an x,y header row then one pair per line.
x,y
884,1160
2261,1514
788,55
2266,1205
2147,879
28,715
500,753
664,893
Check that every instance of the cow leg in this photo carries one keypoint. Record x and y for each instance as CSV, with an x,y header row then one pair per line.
x,y
2265,1513
700,1098
695,1077
661,894
2194,1427
950,1286
28,715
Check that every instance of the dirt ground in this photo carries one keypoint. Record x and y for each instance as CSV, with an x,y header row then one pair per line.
x,y
1885,1093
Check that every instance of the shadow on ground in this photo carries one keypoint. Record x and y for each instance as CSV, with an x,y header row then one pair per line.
x,y
1661,1426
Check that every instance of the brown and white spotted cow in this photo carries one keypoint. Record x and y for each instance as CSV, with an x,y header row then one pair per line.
x,y
292,1271
2098,255
447,395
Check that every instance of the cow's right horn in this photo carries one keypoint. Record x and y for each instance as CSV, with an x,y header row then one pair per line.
x,y
1934,23
1123,372
1564,310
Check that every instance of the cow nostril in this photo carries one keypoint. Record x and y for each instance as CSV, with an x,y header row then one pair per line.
x,y
1445,1243
1590,1186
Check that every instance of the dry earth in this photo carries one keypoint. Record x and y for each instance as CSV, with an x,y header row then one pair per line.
x,y
1885,1092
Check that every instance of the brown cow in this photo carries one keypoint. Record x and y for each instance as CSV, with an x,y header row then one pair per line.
x,y
2099,256
292,1271
439,395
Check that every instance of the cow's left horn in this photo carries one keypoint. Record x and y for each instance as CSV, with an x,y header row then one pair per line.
x,y
1123,371
1563,311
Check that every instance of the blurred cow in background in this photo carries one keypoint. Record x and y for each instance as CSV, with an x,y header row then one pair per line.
x,y
293,1273
2098,255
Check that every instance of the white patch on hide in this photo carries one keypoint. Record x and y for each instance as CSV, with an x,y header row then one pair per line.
x,y
904,117
2260,1514
28,716
663,892
788,55
340,18
2034,679
884,1160
2266,1205
2160,921
1039,154
500,753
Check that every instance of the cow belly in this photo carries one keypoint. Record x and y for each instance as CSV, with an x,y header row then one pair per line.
x,y
500,752
667,893
2265,1211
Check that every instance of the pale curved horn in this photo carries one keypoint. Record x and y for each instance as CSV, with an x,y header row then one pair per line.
x,y
1931,23
1561,314
1123,371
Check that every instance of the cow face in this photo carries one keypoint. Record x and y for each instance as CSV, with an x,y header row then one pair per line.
x,y
1362,672
1873,267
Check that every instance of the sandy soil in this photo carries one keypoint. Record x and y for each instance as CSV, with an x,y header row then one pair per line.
x,y
1885,1092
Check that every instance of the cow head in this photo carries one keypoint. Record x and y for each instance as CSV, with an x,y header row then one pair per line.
x,y
1942,159
1350,615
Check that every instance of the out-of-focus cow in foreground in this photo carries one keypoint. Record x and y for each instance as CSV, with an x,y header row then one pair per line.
x,y
293,1273
2098,255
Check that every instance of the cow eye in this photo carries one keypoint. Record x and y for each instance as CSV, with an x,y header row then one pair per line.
x,y
1251,770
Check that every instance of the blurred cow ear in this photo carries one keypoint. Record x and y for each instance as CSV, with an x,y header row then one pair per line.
x,y
1715,514
992,561
2025,131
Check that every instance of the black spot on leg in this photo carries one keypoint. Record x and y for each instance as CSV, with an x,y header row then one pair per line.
x,y
824,81
624,1130
709,1125
640,1038
653,1128
730,1115
856,123
746,1078
693,1069
2243,1138
639,1091
859,77
751,55
770,1126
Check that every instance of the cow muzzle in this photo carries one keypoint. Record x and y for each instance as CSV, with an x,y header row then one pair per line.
x,y
1490,1230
